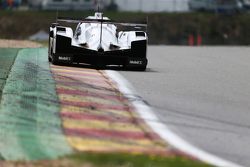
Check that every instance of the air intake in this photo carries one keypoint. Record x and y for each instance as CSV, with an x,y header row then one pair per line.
x,y
140,34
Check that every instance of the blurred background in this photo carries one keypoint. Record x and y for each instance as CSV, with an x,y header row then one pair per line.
x,y
170,22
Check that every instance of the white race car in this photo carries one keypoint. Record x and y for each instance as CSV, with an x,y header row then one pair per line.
x,y
97,41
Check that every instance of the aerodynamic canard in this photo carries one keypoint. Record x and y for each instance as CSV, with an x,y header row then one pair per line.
x,y
99,41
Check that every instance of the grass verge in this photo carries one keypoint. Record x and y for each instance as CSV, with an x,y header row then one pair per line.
x,y
111,160
7,58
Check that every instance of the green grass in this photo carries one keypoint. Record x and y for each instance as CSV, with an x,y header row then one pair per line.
x,y
7,58
129,160
111,160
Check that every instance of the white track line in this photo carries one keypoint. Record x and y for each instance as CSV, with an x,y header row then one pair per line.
x,y
161,129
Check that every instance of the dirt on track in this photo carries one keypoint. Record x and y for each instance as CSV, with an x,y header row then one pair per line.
x,y
6,43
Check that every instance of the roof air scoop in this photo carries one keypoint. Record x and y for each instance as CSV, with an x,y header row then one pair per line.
x,y
98,15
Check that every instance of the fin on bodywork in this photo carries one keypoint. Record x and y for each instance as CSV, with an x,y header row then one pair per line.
x,y
84,44
113,47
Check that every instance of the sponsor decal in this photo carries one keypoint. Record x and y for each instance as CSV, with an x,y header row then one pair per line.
x,y
64,58
137,62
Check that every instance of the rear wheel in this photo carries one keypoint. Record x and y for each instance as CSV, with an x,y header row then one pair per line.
x,y
49,56
54,59
49,51
140,68
100,66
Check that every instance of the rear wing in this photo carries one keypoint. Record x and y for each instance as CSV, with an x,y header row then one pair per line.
x,y
141,25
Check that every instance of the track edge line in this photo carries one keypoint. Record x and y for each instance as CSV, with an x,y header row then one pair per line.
x,y
148,115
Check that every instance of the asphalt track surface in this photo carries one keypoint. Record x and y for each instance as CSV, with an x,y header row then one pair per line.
x,y
202,94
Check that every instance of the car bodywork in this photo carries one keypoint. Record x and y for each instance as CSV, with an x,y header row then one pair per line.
x,y
97,41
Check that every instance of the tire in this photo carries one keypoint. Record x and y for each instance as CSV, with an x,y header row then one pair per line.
x,y
140,68
49,51
99,66
52,57
49,55
54,60
143,68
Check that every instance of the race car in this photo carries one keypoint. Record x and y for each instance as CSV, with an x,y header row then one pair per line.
x,y
99,41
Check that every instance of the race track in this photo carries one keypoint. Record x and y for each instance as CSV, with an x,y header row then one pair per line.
x,y
49,111
202,94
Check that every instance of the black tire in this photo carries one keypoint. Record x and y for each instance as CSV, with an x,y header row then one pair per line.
x,y
49,55
141,68
50,51
99,66
54,59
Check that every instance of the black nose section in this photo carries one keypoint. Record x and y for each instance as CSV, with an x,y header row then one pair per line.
x,y
100,49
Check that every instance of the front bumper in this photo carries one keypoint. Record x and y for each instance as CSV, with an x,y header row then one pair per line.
x,y
104,58
136,56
